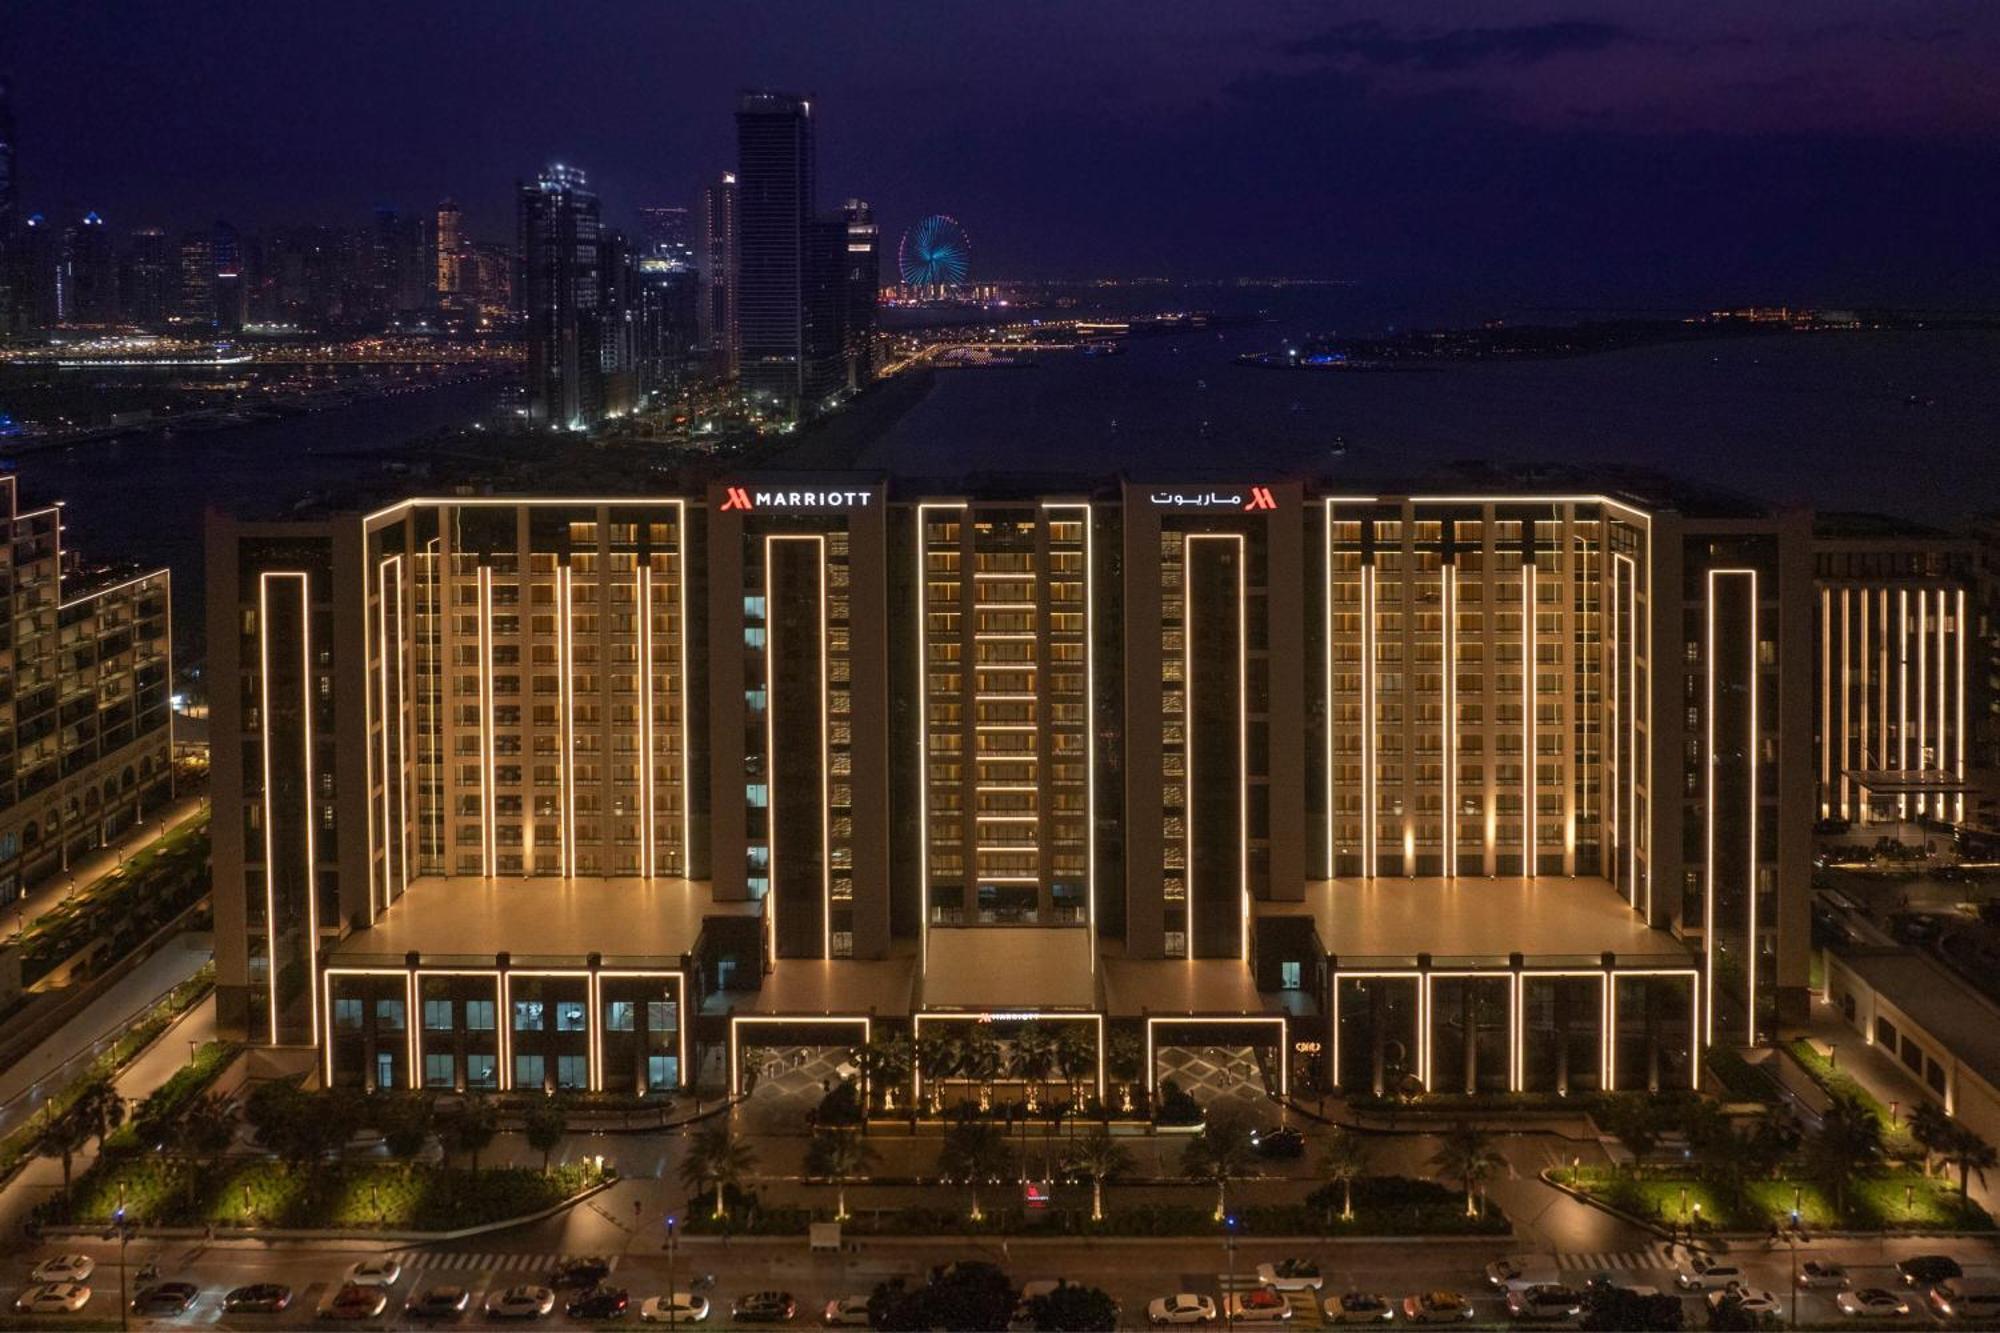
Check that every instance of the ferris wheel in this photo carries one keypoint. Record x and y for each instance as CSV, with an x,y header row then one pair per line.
x,y
934,253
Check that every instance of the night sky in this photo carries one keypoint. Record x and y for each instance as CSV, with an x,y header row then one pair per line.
x,y
1837,151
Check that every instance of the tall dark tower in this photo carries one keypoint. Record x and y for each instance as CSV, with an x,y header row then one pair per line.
x,y
560,291
775,249
861,285
10,215
716,308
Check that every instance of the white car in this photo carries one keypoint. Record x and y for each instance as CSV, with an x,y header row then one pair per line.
x,y
1702,1273
1181,1308
53,1298
681,1307
1290,1275
1872,1303
521,1303
1259,1305
1747,1299
381,1272
1518,1268
846,1312
1436,1307
1358,1307
65,1268
1822,1273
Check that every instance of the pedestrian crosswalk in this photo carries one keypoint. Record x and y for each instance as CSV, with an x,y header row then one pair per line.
x,y
469,1261
1653,1256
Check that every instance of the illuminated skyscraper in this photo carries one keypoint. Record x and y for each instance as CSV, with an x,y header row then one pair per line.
x,y
92,288
777,250
861,285
663,234
716,312
450,256
560,293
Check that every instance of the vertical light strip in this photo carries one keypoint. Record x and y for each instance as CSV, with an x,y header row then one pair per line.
x,y
1750,749
1187,730
370,642
505,1022
270,850
566,721
1613,772
922,581
825,766
1923,690
1826,710
1846,712
399,702
1942,748
770,761
1531,826
488,856
1750,889
1902,692
1632,761
1448,581
1090,757
1864,702
1327,595
1368,720
412,1016
643,590
1243,754
375,906
594,1023
1959,738
682,655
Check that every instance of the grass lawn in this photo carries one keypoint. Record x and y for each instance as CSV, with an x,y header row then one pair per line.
x,y
169,1191
1874,1203
1896,1137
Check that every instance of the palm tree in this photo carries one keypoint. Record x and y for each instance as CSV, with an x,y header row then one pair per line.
x,y
1969,1153
840,1155
1343,1161
99,1107
1932,1129
1076,1054
1729,1158
979,1060
1847,1144
63,1134
206,1130
973,1150
472,1130
1034,1055
715,1157
1467,1155
1220,1153
898,1058
1098,1156
544,1125
934,1058
1124,1060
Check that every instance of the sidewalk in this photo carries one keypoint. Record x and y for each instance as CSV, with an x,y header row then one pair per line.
x,y
87,873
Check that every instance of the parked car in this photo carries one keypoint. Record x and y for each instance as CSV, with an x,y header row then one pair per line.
x,y
1290,1275
1515,1268
64,1268
1183,1307
1747,1300
258,1298
1872,1303
845,1312
1822,1274
1358,1307
1436,1307
764,1307
1259,1305
53,1298
1962,1298
1921,1270
1286,1143
584,1272
1701,1273
445,1302
166,1298
355,1300
598,1302
680,1307
1544,1300
527,1302
378,1272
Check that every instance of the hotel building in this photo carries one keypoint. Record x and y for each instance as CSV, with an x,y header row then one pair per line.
x,y
86,675
1484,791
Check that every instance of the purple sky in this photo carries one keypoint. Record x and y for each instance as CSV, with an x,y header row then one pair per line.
x,y
1836,150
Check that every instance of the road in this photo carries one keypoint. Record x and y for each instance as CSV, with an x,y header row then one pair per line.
x,y
1133,1272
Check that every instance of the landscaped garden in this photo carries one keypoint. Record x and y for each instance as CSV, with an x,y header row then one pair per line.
x,y
154,886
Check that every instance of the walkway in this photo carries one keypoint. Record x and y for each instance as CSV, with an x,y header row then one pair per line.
x,y
86,874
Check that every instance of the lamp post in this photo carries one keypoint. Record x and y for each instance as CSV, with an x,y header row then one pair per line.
x,y
124,1238
1795,1259
1229,1249
673,1298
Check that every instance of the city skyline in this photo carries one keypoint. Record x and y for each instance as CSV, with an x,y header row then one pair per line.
x,y
1563,150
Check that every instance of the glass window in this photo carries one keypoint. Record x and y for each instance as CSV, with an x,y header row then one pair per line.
x,y
479,1015
528,1071
389,1015
1289,976
347,1014
437,1015
662,1071
662,1015
528,1016
757,795
438,1071
572,1071
385,1069
569,1016
618,1015
481,1072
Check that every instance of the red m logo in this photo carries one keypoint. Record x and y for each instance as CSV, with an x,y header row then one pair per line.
x,y
737,498
1260,498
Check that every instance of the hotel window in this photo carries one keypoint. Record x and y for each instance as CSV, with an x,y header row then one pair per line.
x,y
481,1072
661,1016
438,1071
528,1016
662,1071
618,1016
528,1071
437,1015
572,1071
479,1015
569,1016
389,1015
347,1014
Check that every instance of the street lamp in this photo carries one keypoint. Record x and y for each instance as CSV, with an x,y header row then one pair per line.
x,y
672,1296
124,1231
1229,1248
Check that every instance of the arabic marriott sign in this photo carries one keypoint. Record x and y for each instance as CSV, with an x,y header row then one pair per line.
x,y
1247,498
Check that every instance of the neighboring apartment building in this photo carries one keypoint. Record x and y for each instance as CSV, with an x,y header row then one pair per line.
x,y
1483,791
85,715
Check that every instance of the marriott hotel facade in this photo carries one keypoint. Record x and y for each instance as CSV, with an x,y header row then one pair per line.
x,y
1461,791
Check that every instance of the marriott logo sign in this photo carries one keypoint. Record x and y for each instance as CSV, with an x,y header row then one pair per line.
x,y
745,499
